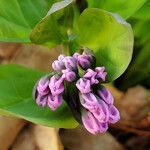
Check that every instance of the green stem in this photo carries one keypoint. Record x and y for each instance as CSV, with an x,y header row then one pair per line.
x,y
66,49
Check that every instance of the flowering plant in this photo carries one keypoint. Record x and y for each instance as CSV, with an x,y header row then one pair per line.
x,y
92,103
97,48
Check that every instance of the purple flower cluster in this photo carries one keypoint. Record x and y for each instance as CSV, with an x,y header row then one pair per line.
x,y
98,109
96,101
49,90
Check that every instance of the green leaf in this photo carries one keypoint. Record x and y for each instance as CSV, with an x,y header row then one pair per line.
x,y
16,84
110,37
125,8
18,17
139,70
143,12
51,30
141,31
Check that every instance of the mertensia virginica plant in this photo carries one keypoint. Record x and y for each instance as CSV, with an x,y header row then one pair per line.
x,y
97,46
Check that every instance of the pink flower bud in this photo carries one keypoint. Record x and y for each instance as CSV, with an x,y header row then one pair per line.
x,y
98,107
56,85
70,63
101,112
85,61
42,86
54,101
114,114
58,65
83,85
41,100
91,75
105,95
90,122
103,127
75,56
61,57
101,74
88,100
68,75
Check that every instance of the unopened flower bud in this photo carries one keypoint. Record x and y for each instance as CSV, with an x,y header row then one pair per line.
x,y
88,100
105,95
54,101
58,65
84,61
56,85
114,114
83,85
76,55
42,86
61,57
70,63
91,75
68,75
101,111
90,122
101,74
41,100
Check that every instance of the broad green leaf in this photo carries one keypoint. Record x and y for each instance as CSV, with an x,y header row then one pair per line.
x,y
18,17
125,8
139,70
141,31
51,30
110,37
16,84
143,12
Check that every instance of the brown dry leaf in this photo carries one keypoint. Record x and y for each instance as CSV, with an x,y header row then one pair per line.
x,y
134,107
34,56
36,137
9,128
136,103
8,49
80,139
24,141
46,138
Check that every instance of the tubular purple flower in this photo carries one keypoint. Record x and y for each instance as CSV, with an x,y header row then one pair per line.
x,y
88,100
70,63
88,54
91,75
105,95
58,65
114,114
75,56
56,85
42,86
101,74
84,61
98,107
41,100
68,75
92,124
61,57
103,127
101,112
89,122
54,101
83,85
